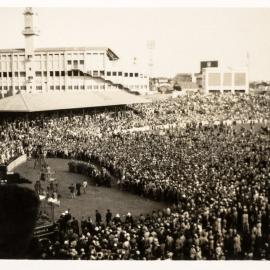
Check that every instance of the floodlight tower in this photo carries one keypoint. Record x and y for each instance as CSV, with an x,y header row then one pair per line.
x,y
151,46
248,70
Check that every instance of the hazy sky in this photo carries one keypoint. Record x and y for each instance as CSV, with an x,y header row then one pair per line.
x,y
183,36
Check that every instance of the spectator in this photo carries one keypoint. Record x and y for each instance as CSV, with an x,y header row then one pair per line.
x,y
84,185
98,218
72,191
108,217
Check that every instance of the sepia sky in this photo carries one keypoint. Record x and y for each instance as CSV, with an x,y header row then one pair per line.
x,y
183,36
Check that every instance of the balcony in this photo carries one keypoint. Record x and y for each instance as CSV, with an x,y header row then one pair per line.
x,y
30,32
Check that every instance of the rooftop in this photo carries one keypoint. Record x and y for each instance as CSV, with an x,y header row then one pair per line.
x,y
64,100
109,52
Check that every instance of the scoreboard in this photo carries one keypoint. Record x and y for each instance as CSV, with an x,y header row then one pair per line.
x,y
206,64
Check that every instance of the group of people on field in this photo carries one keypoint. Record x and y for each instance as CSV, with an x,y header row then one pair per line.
x,y
214,171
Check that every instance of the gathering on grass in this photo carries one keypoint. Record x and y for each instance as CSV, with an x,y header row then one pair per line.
x,y
207,157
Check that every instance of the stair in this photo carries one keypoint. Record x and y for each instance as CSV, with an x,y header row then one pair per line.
x,y
101,79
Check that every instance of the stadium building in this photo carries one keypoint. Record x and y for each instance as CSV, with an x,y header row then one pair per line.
x,y
33,70
218,80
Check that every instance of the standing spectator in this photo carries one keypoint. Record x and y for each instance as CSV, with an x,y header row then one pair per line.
x,y
72,191
108,216
75,225
129,218
78,188
237,245
98,218
84,186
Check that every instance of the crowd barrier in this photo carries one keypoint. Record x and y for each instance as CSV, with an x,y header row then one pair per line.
x,y
18,161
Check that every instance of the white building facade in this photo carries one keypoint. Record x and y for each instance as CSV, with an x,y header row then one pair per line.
x,y
217,80
62,69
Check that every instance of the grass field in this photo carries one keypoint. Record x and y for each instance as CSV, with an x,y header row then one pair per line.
x,y
101,198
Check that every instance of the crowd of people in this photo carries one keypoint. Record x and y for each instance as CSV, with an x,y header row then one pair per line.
x,y
168,234
63,132
216,176
99,175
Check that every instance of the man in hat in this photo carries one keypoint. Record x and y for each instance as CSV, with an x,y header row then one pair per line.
x,y
84,186
78,188
98,218
72,191
108,217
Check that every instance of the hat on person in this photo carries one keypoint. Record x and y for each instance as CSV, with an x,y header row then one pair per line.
x,y
73,252
100,255
170,254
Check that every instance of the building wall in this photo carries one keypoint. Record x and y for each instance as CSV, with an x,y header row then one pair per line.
x,y
55,70
225,81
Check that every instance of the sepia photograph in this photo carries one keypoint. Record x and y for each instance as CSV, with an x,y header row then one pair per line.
x,y
134,133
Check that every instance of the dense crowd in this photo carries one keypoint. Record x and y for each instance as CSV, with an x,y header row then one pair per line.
x,y
216,177
64,132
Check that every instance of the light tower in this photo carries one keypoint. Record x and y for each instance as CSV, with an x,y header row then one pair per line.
x,y
248,71
29,34
151,46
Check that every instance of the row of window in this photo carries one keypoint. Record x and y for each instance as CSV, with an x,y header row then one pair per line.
x,y
75,87
69,87
226,91
138,86
57,87
76,62
126,74
70,73
7,57
23,87
9,74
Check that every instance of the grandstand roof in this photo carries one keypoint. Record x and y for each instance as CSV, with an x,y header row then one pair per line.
x,y
50,101
109,52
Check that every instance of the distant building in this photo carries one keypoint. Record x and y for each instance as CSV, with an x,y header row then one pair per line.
x,y
260,87
183,82
186,86
183,77
205,64
161,84
33,69
217,80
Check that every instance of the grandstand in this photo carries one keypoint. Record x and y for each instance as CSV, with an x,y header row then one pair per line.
x,y
37,102
35,70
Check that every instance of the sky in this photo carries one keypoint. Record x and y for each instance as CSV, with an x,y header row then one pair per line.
x,y
182,36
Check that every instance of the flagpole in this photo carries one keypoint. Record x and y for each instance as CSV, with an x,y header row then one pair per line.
x,y
248,69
